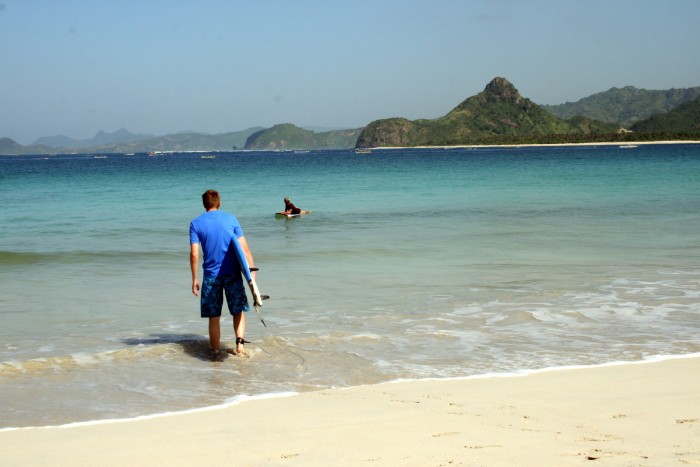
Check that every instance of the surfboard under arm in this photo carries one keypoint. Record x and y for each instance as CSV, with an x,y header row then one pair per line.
x,y
247,274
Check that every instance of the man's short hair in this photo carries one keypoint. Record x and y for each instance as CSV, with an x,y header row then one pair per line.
x,y
211,199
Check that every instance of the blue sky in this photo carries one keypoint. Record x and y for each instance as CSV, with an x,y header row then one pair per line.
x,y
74,67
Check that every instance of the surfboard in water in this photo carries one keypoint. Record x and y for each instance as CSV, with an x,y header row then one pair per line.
x,y
248,276
289,216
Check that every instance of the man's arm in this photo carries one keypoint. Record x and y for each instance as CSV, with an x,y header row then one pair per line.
x,y
194,265
248,254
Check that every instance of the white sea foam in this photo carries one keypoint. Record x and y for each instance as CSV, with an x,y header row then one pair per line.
x,y
526,372
228,403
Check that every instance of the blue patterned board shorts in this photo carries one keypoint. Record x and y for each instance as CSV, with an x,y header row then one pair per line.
x,y
213,295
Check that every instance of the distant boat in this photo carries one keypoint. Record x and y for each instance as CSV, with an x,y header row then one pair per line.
x,y
628,146
152,154
363,151
99,156
208,157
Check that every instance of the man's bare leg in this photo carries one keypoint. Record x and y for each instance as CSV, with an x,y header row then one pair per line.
x,y
214,333
239,330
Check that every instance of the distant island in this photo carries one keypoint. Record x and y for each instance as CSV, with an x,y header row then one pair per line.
x,y
102,138
498,115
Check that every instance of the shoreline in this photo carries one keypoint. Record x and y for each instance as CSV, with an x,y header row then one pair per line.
x,y
378,148
646,413
248,398
542,145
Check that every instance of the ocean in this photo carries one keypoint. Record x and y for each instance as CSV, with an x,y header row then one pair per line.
x,y
415,263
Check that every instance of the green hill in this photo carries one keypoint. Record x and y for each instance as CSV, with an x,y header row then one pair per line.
x,y
499,114
683,119
287,136
625,105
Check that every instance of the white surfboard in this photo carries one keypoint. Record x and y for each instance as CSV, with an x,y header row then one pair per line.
x,y
248,276
289,215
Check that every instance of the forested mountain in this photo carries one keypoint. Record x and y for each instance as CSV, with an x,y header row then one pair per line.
x,y
499,114
288,136
683,119
625,105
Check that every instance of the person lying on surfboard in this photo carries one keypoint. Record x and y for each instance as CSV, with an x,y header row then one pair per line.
x,y
289,208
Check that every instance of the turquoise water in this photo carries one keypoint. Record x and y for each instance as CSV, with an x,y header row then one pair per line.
x,y
414,263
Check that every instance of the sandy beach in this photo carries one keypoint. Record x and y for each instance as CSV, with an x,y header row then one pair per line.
x,y
622,144
631,414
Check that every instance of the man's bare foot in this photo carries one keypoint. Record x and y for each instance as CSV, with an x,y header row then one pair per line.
x,y
240,350
215,355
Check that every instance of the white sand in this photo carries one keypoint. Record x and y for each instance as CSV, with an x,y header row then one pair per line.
x,y
637,414
544,145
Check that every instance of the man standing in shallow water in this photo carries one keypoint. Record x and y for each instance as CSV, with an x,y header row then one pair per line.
x,y
214,231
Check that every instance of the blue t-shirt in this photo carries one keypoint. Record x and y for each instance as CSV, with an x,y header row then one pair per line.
x,y
214,230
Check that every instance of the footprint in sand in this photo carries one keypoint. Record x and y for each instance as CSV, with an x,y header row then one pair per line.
x,y
447,433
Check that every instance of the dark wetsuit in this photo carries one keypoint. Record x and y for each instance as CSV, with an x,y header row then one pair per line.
x,y
289,207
